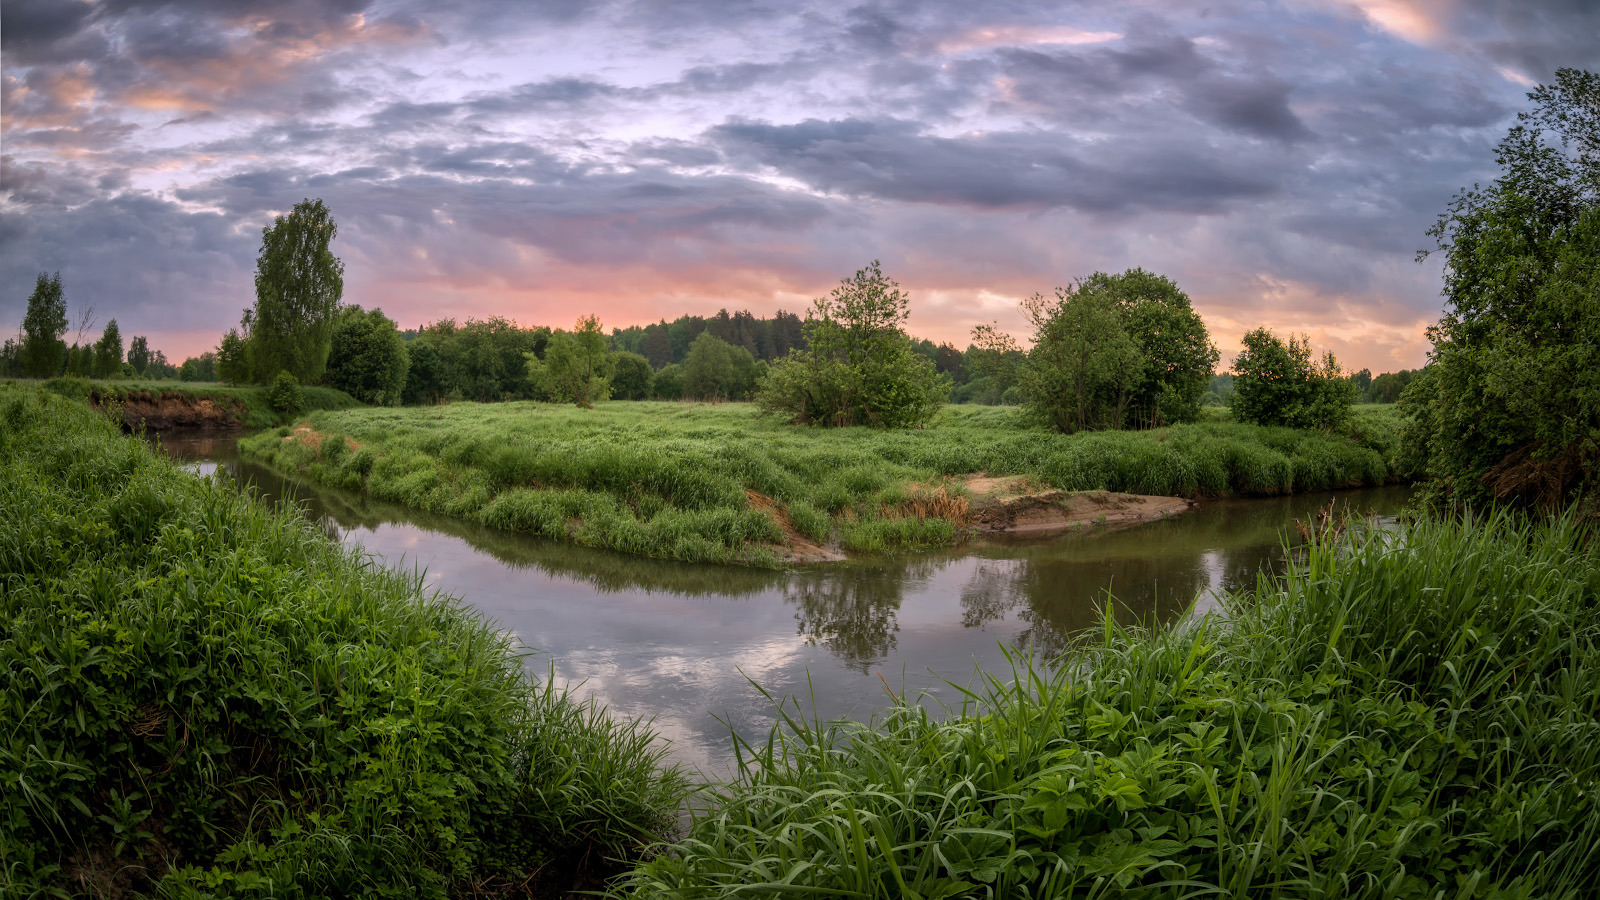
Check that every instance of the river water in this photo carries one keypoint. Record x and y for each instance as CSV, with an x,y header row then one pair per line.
x,y
685,644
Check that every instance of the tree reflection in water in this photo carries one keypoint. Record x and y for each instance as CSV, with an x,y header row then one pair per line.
x,y
851,610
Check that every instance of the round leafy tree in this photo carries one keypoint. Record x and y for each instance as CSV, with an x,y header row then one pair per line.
x,y
859,367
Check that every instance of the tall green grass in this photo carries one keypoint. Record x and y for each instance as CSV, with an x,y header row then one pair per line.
x,y
203,696
1407,715
670,480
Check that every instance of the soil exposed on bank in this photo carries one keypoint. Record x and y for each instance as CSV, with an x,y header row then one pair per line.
x,y
800,548
1008,505
1013,505
159,410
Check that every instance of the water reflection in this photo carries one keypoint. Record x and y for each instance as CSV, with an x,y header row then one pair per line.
x,y
681,643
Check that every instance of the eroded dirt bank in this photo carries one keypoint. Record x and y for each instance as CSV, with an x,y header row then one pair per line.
x,y
157,410
979,505
1013,505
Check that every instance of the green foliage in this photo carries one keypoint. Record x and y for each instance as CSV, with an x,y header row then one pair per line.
x,y
298,285
367,358
484,360
1111,351
631,376
673,481
285,395
426,380
139,356
717,370
42,351
1219,391
204,696
859,367
1402,715
233,358
1509,407
1084,368
1172,339
199,368
665,343
108,352
1277,383
574,366
1388,387
669,383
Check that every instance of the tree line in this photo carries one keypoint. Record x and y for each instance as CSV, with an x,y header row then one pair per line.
x,y
40,349
1109,351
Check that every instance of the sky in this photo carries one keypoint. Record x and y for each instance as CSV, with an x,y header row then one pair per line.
x,y
1281,160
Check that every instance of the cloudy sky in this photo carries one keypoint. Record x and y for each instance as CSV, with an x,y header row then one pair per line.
x,y
1281,159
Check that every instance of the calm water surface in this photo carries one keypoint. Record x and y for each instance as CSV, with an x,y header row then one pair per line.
x,y
682,643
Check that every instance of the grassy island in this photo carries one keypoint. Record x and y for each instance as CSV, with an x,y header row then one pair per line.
x,y
721,483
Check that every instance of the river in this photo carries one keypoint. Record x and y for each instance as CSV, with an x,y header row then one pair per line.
x,y
685,644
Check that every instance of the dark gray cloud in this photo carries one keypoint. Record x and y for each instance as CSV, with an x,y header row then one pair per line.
x,y
895,161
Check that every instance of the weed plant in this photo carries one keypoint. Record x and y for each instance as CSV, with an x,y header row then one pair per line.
x,y
673,480
1401,715
203,696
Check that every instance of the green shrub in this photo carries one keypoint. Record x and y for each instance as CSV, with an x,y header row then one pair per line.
x,y
1278,383
285,394
859,367
70,386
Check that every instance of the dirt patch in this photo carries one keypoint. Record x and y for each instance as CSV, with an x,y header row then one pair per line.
x,y
1012,504
799,548
173,409
311,438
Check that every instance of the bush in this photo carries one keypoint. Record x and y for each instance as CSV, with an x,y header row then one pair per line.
x,y
669,383
860,367
367,358
1109,352
285,395
1277,383
202,695
717,370
631,376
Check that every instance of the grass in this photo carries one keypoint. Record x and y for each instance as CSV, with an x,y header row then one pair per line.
x,y
675,481
1401,715
204,696
248,403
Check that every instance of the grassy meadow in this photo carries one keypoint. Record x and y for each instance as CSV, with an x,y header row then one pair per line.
x,y
720,483
203,696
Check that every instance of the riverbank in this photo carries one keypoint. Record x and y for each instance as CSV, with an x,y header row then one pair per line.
x,y
161,405
719,483
202,695
1404,714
